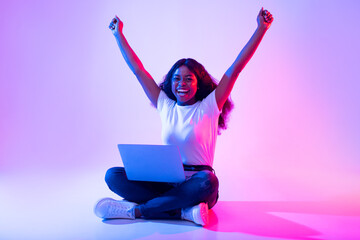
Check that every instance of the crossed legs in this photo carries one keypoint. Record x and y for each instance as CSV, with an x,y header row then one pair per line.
x,y
164,200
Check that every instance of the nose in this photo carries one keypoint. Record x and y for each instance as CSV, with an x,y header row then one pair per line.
x,y
182,82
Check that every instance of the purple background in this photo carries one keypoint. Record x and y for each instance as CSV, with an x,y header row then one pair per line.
x,y
67,97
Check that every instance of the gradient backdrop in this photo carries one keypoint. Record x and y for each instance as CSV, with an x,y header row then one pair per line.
x,y
67,97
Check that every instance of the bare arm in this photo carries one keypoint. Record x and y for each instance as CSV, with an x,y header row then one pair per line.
x,y
147,82
227,82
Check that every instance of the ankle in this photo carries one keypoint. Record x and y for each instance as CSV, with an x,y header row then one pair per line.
x,y
137,212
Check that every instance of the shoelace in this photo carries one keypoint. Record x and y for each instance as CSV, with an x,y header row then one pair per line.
x,y
116,209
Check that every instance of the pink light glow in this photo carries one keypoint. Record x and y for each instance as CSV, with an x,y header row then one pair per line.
x,y
67,97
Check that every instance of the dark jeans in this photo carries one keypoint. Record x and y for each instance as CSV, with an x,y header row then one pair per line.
x,y
164,200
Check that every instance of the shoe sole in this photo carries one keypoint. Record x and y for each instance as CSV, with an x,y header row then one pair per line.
x,y
202,215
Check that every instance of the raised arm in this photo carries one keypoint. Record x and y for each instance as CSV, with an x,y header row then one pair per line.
x,y
147,82
227,82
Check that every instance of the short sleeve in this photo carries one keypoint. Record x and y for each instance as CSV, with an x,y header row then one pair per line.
x,y
211,105
163,101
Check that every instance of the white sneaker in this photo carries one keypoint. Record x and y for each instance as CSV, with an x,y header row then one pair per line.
x,y
111,208
197,214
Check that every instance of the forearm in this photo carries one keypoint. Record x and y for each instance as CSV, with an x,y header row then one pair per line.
x,y
246,53
129,55
227,82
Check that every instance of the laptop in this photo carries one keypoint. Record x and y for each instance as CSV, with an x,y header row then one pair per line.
x,y
154,163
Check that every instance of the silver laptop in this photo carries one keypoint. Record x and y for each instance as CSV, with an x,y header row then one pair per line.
x,y
154,163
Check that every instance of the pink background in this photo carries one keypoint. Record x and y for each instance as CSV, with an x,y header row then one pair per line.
x,y
67,97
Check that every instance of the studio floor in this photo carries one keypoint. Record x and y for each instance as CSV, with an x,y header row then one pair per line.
x,y
48,206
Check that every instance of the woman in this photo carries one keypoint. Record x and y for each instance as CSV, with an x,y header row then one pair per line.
x,y
192,109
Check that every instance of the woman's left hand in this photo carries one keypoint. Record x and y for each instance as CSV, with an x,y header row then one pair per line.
x,y
264,19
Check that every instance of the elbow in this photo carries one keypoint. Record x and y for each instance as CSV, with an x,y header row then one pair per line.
x,y
138,71
233,74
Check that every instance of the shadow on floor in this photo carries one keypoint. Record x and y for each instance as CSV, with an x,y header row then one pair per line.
x,y
257,218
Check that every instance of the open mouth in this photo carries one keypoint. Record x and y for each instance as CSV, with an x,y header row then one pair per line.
x,y
182,92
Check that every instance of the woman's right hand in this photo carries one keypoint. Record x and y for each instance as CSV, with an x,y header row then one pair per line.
x,y
116,26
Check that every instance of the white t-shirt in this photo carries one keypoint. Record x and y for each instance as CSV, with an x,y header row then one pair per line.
x,y
193,128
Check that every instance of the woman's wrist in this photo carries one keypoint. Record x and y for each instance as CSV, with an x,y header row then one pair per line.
x,y
262,28
117,35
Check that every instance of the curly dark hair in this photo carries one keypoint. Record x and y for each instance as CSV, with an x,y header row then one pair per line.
x,y
206,84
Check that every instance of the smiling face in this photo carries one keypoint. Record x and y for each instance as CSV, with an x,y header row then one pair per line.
x,y
184,86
